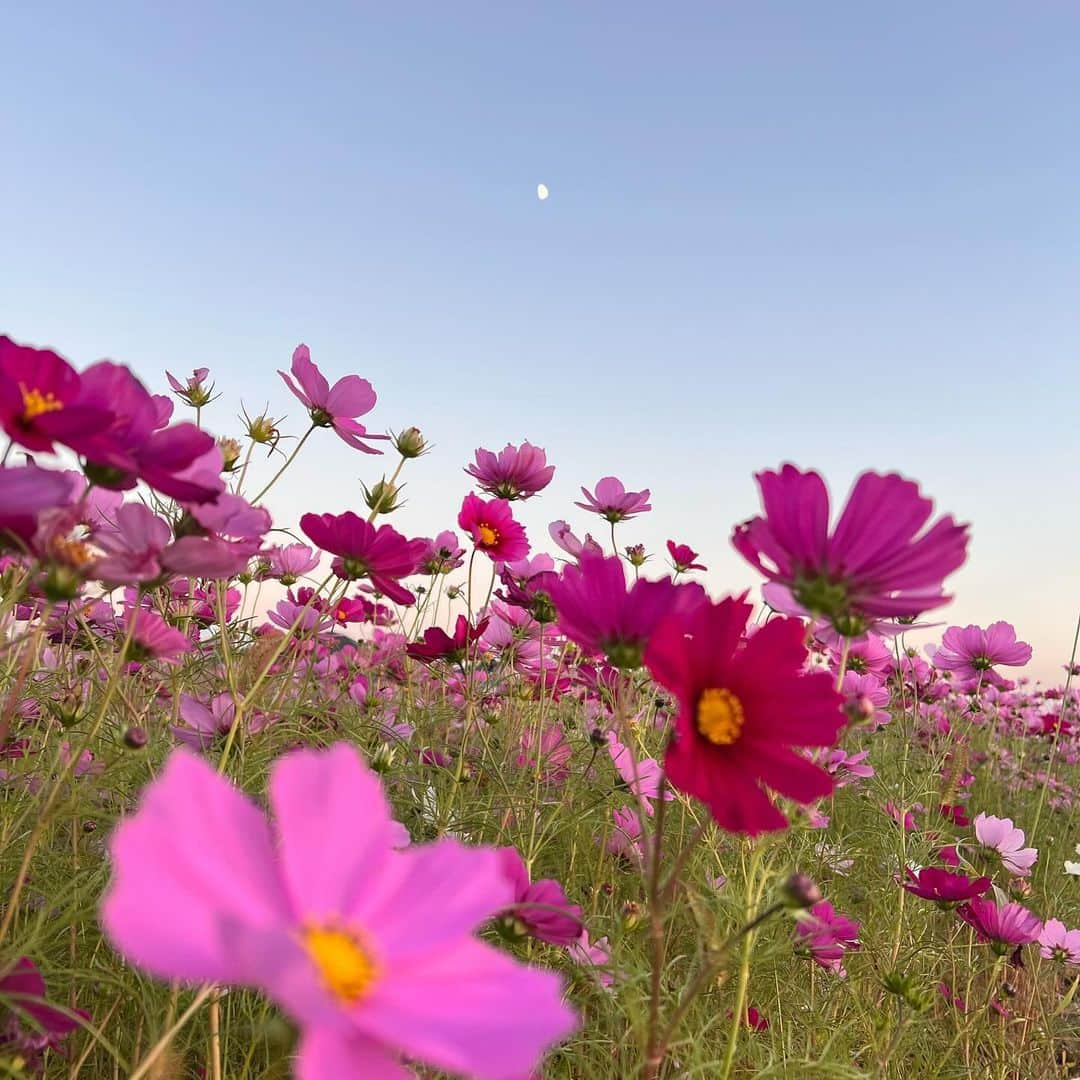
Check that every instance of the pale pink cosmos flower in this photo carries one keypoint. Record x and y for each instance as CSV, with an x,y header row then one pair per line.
x,y
613,502
594,954
334,406
369,949
1002,836
562,535
1056,942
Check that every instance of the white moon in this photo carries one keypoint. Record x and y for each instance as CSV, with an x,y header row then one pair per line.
x,y
541,192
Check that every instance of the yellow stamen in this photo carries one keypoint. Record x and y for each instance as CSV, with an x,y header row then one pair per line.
x,y
720,716
346,969
489,537
35,403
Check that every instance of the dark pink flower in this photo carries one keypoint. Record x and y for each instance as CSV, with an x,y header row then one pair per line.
x,y
195,391
493,529
439,645
35,1026
132,546
597,612
745,704
152,638
825,936
182,462
517,472
943,887
39,398
877,561
443,554
613,502
381,554
972,653
220,537
683,558
26,492
540,907
334,406
1003,926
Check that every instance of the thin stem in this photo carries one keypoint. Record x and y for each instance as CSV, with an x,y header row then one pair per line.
x,y
288,461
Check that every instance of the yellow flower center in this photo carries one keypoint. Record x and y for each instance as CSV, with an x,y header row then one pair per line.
x,y
720,716
35,403
489,537
346,969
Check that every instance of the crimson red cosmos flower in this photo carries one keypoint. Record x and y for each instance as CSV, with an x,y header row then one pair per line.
x,y
439,645
39,393
383,555
875,562
942,886
597,612
334,406
518,472
493,529
744,703
1004,926
613,502
683,558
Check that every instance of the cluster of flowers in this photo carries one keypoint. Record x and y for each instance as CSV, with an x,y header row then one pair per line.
x,y
365,939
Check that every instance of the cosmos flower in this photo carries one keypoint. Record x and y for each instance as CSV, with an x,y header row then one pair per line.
x,y
613,502
942,886
290,562
443,554
439,645
876,562
493,529
368,948
152,638
599,613
561,534
132,546
744,705
334,406
683,558
29,1024
1003,926
1000,835
972,653
26,492
1056,942
380,554
541,908
825,935
517,472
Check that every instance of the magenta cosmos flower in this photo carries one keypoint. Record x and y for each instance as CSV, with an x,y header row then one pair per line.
x,y
825,935
493,529
597,612
541,909
1002,836
39,398
972,653
29,1025
334,406
876,562
26,492
516,472
370,949
744,705
382,555
1003,926
439,645
683,558
613,502
944,887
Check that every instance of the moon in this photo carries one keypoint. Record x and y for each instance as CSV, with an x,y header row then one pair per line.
x,y
542,192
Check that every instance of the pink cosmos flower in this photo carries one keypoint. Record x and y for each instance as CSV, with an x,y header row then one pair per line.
x,y
626,841
443,554
560,533
594,954
877,561
132,546
1003,926
195,391
334,406
439,645
745,704
290,562
39,392
518,472
152,638
540,907
641,777
972,653
602,616
202,724
613,502
380,554
369,949
943,887
825,935
26,492
683,558
29,1024
1058,943
493,529
220,537
866,700
1002,836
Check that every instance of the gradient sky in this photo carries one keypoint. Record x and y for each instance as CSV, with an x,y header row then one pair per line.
x,y
845,235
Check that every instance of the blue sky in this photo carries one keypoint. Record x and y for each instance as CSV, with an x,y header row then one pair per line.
x,y
840,234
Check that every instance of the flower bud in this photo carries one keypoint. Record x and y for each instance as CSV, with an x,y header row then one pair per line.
x,y
230,453
410,443
800,891
381,498
135,738
635,555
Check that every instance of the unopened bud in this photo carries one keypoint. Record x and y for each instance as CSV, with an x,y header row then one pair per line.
x,y
381,498
135,738
800,891
262,429
635,554
410,443
230,453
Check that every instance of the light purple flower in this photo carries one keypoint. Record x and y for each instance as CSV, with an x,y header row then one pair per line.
x,y
613,502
